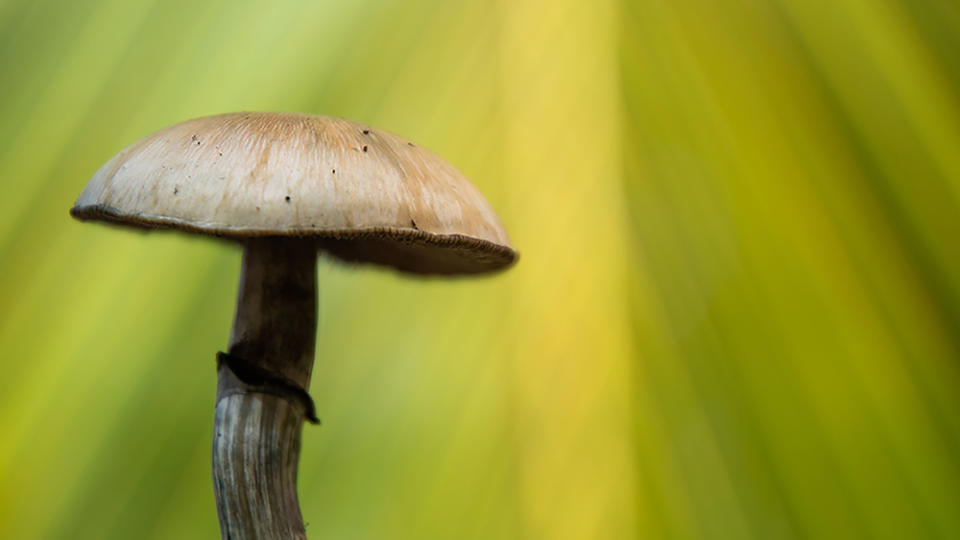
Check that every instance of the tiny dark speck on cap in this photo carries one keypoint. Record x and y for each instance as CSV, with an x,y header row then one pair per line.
x,y
287,198
366,132
364,148
334,171
409,144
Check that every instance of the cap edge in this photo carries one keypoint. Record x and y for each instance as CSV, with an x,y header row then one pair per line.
x,y
505,256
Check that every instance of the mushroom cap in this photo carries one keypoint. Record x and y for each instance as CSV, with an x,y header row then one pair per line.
x,y
362,194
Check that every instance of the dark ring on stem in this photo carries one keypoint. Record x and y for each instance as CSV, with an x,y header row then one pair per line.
x,y
262,379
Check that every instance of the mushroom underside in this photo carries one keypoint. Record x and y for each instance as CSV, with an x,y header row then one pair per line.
x,y
405,249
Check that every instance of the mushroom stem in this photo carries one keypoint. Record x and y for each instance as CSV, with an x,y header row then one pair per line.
x,y
261,396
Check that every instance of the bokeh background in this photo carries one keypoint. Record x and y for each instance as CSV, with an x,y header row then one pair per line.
x,y
736,315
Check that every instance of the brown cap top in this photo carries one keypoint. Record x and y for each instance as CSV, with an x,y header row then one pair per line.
x,y
364,194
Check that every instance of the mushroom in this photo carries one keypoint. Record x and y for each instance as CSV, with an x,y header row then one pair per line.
x,y
286,185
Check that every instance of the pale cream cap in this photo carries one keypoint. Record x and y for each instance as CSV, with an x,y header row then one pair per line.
x,y
363,194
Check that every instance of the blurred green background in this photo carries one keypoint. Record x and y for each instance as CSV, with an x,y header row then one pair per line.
x,y
736,315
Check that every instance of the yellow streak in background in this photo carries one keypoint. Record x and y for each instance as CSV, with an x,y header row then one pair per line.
x,y
571,378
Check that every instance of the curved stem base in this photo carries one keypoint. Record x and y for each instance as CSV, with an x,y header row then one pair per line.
x,y
256,448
